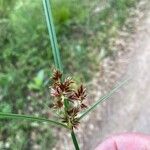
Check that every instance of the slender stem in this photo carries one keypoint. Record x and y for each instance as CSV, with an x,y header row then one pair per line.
x,y
31,118
75,142
52,34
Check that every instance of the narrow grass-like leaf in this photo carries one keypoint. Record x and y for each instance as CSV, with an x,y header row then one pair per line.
x,y
103,98
30,118
75,142
52,34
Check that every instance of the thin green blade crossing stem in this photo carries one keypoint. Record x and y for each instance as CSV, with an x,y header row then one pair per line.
x,y
75,142
105,97
52,34
31,118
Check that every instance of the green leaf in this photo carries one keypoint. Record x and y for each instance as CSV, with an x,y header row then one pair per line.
x,y
30,118
37,82
5,107
39,78
103,98
5,79
52,34
33,86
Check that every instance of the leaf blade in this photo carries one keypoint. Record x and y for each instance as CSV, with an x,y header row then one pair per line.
x,y
31,118
103,98
52,34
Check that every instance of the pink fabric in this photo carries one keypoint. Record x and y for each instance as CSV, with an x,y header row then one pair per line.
x,y
126,141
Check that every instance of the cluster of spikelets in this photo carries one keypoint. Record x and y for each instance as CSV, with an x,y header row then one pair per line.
x,y
67,102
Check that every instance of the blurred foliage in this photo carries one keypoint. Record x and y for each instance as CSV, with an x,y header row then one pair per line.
x,y
85,31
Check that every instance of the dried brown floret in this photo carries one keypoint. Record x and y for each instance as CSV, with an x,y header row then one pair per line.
x,y
83,106
60,88
73,112
56,75
56,92
58,104
80,94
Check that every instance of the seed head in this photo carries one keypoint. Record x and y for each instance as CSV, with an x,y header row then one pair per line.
x,y
67,99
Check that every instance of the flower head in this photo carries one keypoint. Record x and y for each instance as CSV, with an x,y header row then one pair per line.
x,y
67,99
61,88
80,94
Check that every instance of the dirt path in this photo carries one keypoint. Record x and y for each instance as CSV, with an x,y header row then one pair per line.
x,y
129,109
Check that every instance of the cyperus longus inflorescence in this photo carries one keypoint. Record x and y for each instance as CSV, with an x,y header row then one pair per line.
x,y
67,102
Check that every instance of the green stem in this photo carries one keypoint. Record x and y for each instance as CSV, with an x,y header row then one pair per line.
x,y
52,34
31,118
75,142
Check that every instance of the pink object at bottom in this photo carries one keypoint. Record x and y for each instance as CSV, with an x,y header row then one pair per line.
x,y
126,141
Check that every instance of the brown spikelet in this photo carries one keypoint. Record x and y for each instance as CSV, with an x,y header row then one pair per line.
x,y
56,75
83,106
73,112
79,94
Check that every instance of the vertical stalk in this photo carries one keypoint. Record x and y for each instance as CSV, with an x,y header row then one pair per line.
x,y
75,142
55,50
52,34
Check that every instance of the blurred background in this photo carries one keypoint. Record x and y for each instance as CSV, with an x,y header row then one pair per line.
x,y
92,37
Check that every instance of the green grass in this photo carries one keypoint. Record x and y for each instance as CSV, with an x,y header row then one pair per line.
x,y
84,37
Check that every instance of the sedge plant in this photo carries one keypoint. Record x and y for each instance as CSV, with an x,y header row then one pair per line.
x,y
68,102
